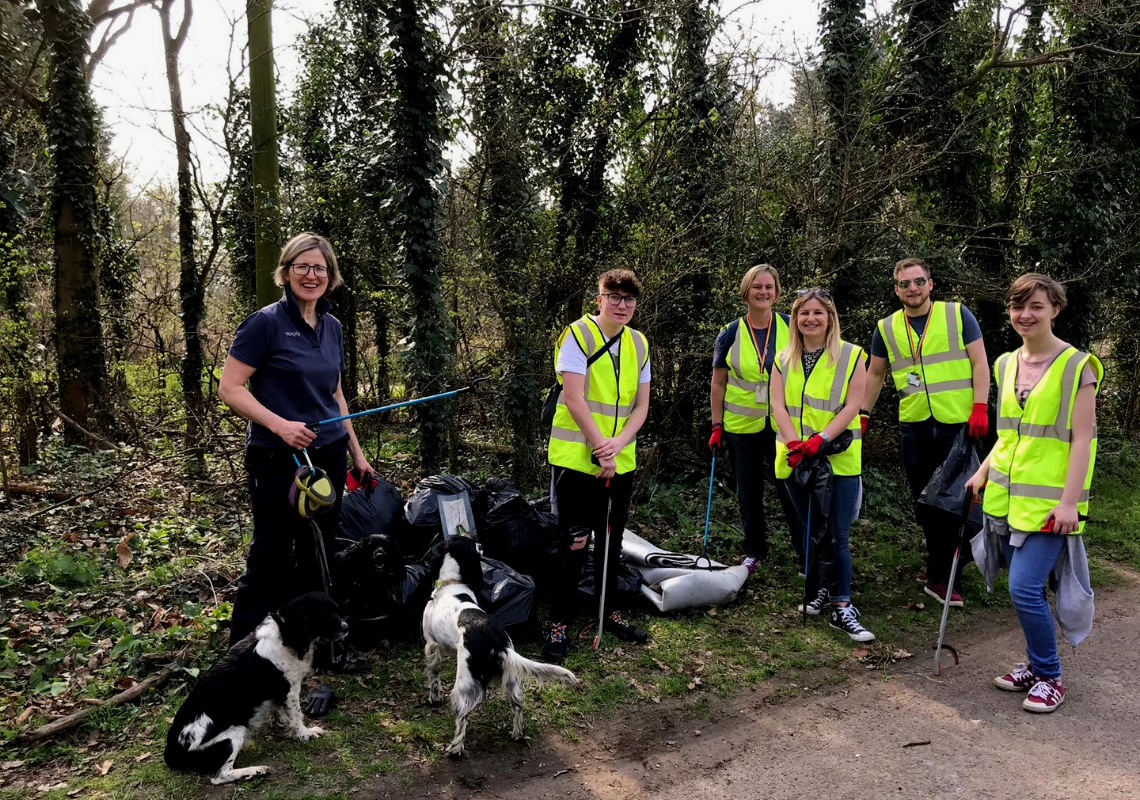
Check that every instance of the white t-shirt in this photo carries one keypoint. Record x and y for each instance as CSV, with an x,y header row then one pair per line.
x,y
572,359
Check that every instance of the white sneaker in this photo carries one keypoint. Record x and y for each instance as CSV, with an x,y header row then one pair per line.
x,y
846,619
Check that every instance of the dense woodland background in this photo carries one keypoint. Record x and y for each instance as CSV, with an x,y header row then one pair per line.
x,y
989,138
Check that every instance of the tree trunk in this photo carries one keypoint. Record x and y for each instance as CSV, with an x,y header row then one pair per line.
x,y
263,124
72,137
190,289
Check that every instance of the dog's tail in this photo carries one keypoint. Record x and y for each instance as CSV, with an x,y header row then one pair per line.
x,y
523,668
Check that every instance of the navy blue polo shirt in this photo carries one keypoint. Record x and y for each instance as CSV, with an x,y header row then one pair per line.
x,y
297,367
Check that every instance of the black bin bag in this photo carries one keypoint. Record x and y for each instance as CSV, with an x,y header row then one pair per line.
x,y
946,489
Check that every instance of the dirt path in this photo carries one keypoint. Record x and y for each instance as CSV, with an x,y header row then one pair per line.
x,y
966,738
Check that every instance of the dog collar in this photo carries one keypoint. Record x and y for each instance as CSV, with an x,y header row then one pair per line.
x,y
439,584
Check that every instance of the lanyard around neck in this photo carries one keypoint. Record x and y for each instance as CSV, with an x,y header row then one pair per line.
x,y
916,351
761,355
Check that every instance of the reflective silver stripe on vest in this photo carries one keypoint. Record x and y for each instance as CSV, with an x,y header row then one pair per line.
x,y
609,409
1000,478
640,349
1059,429
950,386
740,383
893,350
840,382
591,345
953,335
565,435
1034,491
746,411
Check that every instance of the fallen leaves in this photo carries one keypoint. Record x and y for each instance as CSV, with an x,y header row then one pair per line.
x,y
124,552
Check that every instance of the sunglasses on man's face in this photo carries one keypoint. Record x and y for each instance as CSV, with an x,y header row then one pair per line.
x,y
919,282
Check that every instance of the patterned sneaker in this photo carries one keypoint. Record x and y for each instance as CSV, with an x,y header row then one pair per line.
x,y
1019,679
751,563
815,607
624,631
846,619
554,650
1045,696
938,591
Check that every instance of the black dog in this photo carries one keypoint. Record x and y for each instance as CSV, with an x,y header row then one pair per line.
x,y
258,678
455,626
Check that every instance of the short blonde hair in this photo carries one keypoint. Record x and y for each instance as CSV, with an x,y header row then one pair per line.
x,y
1028,284
907,263
755,272
303,243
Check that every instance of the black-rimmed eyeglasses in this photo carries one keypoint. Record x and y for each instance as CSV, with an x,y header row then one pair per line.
x,y
615,299
301,270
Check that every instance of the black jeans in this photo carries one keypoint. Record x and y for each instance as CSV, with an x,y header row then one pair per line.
x,y
925,446
282,562
582,501
753,457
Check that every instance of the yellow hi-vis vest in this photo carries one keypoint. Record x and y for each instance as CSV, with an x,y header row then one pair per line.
x,y
1029,462
610,390
812,404
946,385
748,395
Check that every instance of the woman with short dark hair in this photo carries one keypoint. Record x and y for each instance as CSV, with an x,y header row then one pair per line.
x,y
1037,478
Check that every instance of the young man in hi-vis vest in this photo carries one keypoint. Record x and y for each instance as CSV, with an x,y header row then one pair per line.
x,y
938,365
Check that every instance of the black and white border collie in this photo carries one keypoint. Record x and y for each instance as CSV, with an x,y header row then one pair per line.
x,y
259,678
455,625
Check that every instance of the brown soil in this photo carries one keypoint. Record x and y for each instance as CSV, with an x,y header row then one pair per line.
x,y
900,732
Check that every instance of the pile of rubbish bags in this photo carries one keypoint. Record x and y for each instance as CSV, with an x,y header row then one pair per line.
x,y
382,580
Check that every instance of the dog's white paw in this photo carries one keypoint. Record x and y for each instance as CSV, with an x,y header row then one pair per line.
x,y
305,734
243,774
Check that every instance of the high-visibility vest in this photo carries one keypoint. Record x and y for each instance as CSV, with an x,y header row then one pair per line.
x,y
945,376
610,390
1031,458
748,395
813,403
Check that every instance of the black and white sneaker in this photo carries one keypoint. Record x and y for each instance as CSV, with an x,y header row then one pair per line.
x,y
846,619
815,607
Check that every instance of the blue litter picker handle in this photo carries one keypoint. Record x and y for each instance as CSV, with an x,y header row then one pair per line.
x,y
315,427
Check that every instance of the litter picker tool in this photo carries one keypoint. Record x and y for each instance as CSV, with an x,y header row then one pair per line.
x,y
605,569
708,511
807,559
315,427
938,648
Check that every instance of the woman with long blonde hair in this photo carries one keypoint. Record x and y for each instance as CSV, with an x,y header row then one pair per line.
x,y
816,391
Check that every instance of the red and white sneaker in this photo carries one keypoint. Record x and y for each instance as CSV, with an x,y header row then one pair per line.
x,y
1019,679
1045,696
938,592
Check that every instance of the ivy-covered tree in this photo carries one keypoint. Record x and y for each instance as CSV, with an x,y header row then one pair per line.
x,y
73,144
416,159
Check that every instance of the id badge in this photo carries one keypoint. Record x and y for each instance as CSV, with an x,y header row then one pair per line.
x,y
761,393
912,379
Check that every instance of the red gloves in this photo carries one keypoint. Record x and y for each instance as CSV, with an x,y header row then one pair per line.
x,y
864,419
717,435
812,446
979,422
794,454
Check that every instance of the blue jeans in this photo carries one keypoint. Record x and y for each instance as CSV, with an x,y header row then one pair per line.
x,y
1029,568
844,506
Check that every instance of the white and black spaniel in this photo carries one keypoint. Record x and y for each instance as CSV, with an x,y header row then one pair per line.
x,y
259,678
455,625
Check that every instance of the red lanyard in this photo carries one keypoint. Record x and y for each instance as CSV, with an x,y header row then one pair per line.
x,y
761,355
916,352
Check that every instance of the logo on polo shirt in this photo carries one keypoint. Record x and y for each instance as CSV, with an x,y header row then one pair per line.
x,y
292,333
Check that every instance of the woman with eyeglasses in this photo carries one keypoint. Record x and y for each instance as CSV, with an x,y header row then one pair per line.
x,y
816,390
740,402
603,366
1036,482
282,373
